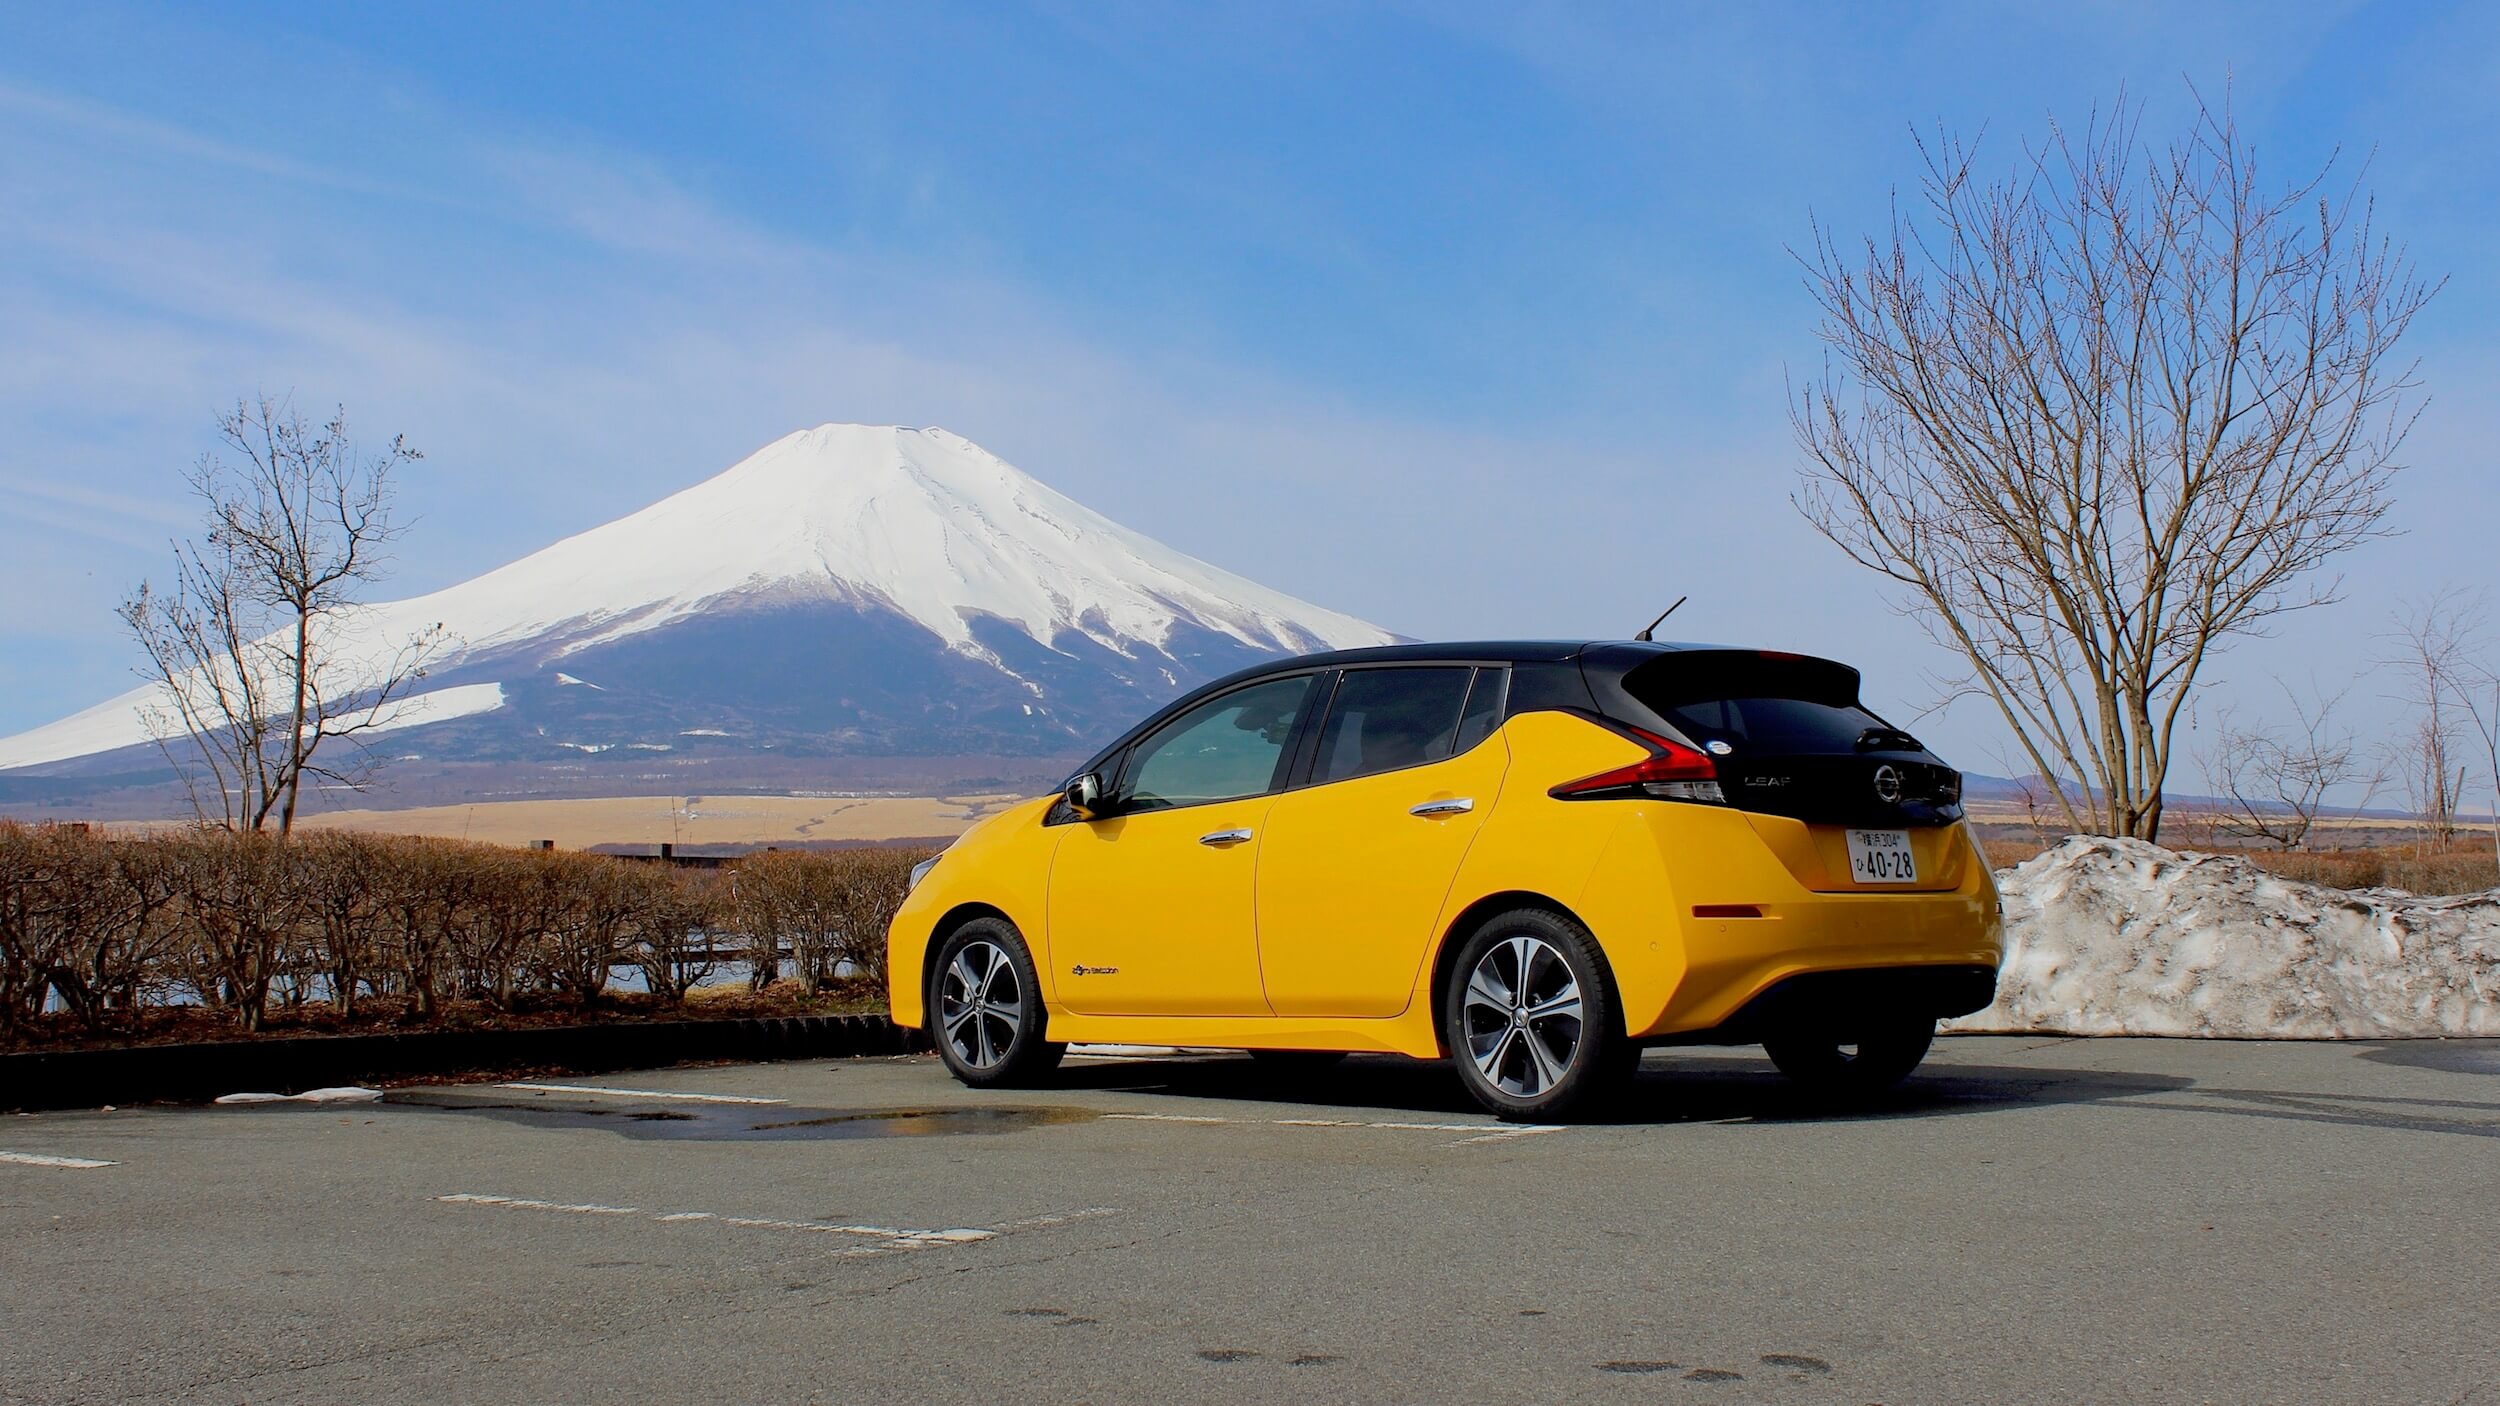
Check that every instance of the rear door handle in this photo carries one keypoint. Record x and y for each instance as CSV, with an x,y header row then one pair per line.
x,y
1221,838
1457,805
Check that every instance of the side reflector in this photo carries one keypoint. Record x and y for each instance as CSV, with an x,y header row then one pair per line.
x,y
1726,910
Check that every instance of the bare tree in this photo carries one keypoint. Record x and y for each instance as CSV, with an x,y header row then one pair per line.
x,y
2430,646
2436,645
2272,779
2099,417
243,643
2482,707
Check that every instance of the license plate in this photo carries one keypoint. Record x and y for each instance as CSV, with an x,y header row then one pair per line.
x,y
1882,857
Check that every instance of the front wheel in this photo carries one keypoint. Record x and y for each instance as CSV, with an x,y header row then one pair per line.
x,y
985,1007
1531,1019
1879,1058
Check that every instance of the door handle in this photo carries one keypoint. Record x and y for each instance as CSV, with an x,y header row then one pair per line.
x,y
1433,810
1222,838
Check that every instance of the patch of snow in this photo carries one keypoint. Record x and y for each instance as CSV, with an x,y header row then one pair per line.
x,y
593,748
442,705
919,520
703,732
122,722
564,680
2121,937
649,747
349,1094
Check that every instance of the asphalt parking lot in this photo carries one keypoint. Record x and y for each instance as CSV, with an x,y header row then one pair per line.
x,y
2029,1220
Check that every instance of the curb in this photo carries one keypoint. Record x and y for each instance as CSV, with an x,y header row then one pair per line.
x,y
48,1079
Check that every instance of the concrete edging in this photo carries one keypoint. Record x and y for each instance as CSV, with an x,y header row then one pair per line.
x,y
49,1079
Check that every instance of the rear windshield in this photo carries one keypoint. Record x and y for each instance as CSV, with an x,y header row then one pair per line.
x,y
1760,703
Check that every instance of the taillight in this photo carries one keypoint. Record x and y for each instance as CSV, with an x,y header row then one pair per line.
x,y
1672,772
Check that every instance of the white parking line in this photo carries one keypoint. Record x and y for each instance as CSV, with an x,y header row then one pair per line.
x,y
1010,1227
39,1159
888,1239
523,1203
1484,1132
660,1095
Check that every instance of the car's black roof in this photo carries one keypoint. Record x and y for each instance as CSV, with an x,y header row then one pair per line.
x,y
1481,651
1619,655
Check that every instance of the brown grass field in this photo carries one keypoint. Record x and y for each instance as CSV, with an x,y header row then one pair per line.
x,y
691,822
2347,852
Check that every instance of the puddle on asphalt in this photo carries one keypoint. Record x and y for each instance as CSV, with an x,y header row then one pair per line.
x,y
774,1123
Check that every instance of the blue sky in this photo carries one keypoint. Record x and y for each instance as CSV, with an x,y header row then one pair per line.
x,y
1471,319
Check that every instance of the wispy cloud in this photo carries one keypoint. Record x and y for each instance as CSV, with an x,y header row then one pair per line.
x,y
130,132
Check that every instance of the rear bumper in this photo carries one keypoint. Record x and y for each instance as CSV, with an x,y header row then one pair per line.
x,y
1842,1001
1700,918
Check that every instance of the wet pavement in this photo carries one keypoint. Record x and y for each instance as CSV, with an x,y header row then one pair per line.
x,y
2028,1220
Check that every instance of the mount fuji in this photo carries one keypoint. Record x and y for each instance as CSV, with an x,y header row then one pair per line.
x,y
847,592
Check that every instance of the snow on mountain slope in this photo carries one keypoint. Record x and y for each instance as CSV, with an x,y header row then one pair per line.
x,y
921,523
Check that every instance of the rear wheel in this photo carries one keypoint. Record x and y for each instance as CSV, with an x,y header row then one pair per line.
x,y
985,1007
1531,1020
1881,1056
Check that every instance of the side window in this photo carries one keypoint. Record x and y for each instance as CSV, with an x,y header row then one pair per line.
x,y
1383,719
1484,707
1226,747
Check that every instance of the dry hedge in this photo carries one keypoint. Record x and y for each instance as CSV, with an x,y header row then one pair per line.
x,y
103,927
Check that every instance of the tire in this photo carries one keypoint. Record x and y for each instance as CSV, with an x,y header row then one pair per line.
x,y
988,1040
1879,1058
1523,1065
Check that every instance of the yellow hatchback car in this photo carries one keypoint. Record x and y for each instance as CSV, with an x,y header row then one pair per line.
x,y
1531,858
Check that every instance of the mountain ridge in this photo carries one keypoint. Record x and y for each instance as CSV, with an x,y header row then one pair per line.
x,y
865,589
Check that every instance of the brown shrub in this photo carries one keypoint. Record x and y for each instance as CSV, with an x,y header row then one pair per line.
x,y
829,911
254,925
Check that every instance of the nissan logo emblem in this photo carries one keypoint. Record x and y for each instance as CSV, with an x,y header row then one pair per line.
x,y
1888,784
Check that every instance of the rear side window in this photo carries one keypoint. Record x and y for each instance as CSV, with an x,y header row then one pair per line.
x,y
1760,703
1384,719
1484,707
1228,746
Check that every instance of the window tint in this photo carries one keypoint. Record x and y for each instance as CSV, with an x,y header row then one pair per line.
x,y
1763,703
1484,707
1793,725
1383,719
1225,747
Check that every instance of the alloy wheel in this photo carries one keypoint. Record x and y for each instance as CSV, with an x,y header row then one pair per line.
x,y
1522,1011
981,1004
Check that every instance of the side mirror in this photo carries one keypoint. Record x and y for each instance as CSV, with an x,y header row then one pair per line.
x,y
1084,795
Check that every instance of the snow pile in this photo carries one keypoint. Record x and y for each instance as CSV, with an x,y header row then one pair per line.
x,y
2121,937
343,1094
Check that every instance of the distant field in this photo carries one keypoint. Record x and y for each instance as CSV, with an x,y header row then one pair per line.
x,y
689,821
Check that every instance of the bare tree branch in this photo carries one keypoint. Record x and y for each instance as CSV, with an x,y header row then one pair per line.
x,y
240,643
2273,780
2099,418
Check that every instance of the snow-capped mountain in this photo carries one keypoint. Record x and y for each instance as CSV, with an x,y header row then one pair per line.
x,y
846,590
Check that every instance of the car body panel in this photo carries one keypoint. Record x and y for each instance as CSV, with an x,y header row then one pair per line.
x,y
1353,884
1817,856
1002,864
1146,917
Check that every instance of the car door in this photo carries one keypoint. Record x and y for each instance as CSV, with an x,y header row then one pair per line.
x,y
1356,865
1152,905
